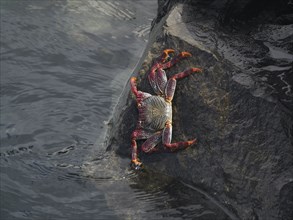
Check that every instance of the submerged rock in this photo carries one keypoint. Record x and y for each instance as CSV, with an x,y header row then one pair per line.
x,y
239,108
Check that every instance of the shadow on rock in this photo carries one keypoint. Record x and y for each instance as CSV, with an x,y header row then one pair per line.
x,y
240,108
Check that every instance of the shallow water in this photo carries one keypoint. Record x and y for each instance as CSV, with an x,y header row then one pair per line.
x,y
63,67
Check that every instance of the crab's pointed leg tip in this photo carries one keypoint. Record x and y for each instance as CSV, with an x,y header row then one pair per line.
x,y
197,70
186,54
138,167
194,141
136,164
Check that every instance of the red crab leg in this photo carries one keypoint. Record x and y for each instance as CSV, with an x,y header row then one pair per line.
x,y
171,84
167,137
137,134
133,86
175,60
170,89
139,94
186,73
134,157
149,145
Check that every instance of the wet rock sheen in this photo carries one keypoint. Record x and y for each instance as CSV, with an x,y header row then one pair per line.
x,y
239,108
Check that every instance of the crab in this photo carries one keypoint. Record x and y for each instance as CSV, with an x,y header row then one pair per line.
x,y
155,111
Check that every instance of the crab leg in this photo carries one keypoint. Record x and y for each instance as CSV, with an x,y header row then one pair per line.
x,y
134,157
171,84
175,60
167,137
170,89
133,86
186,73
149,145
136,135
140,96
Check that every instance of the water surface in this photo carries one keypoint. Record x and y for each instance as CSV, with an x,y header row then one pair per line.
x,y
63,66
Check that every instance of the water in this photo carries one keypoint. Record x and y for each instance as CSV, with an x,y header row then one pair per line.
x,y
63,67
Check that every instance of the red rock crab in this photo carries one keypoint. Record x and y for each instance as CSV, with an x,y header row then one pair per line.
x,y
155,111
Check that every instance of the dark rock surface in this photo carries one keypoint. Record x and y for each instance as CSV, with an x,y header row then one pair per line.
x,y
239,108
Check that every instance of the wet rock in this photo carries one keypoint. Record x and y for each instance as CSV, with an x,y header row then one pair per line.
x,y
239,108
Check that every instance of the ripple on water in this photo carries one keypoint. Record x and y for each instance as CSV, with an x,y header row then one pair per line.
x,y
64,64
150,195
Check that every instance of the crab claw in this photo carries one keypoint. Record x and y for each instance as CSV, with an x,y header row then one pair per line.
x,y
166,55
167,51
